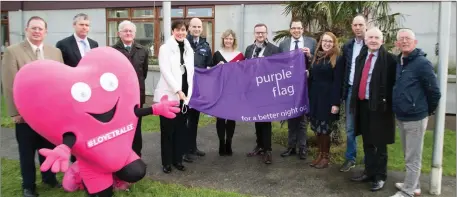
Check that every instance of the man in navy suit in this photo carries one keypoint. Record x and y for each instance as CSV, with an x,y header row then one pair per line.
x,y
75,46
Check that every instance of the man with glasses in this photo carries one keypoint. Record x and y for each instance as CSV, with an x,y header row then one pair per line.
x,y
297,126
75,46
415,97
28,140
138,56
262,48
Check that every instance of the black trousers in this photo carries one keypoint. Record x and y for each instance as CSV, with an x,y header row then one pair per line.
x,y
29,142
263,135
192,122
375,154
225,129
137,144
172,139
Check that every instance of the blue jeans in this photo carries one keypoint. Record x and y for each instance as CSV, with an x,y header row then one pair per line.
x,y
351,142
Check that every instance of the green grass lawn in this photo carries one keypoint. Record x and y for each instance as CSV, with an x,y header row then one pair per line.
x,y
395,154
11,186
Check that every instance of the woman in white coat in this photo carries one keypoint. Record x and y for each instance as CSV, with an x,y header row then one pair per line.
x,y
176,62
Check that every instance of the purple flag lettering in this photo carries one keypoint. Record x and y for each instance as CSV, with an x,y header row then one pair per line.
x,y
264,89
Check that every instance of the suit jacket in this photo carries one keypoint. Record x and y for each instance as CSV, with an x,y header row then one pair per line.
x,y
138,56
70,50
347,50
270,49
15,57
307,41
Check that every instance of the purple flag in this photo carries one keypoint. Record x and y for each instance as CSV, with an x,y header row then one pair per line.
x,y
264,89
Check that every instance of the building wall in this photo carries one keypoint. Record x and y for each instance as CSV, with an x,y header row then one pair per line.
x,y
230,17
423,19
60,24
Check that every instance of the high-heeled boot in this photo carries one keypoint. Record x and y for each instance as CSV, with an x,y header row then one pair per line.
x,y
319,154
222,150
228,147
324,162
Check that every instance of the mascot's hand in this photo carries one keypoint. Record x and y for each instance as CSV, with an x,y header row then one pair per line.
x,y
165,108
58,158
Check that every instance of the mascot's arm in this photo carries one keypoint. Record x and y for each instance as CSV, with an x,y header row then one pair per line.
x,y
58,158
164,108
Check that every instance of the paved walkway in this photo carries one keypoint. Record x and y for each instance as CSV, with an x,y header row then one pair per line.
x,y
288,177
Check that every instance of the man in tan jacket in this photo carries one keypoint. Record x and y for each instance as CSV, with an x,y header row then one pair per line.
x,y
15,57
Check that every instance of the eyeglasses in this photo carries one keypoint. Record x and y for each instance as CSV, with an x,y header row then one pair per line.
x,y
260,33
296,28
407,39
127,31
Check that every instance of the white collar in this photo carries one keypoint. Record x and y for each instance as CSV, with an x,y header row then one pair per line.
x,y
78,39
34,47
299,40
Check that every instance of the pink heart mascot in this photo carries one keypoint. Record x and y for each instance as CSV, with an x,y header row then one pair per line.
x,y
89,111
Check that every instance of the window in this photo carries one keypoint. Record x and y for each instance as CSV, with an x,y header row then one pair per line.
x,y
206,14
4,34
149,23
143,18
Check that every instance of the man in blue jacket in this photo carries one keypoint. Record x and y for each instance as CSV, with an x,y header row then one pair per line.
x,y
351,50
415,97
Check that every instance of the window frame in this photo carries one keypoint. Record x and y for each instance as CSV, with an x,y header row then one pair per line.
x,y
6,23
156,21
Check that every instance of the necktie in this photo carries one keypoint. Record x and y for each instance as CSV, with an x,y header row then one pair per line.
x,y
85,46
38,54
364,79
296,44
195,43
128,48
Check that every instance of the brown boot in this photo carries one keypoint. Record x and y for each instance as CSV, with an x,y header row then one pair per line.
x,y
319,147
324,162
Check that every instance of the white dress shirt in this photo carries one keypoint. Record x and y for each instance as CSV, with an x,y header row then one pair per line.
x,y
34,48
301,43
82,48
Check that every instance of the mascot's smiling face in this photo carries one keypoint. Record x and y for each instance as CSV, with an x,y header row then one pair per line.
x,y
92,100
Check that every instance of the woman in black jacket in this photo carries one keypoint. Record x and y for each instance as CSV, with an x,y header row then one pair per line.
x,y
325,80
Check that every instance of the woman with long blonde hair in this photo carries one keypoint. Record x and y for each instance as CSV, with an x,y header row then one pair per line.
x,y
325,81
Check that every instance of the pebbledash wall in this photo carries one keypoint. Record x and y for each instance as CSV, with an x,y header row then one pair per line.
x,y
421,17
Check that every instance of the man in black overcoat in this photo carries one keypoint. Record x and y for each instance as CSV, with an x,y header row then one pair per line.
x,y
371,104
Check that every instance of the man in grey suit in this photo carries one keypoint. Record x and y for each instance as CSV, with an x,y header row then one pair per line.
x,y
297,126
262,48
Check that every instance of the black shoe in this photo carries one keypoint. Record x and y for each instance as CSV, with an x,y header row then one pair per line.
x,y
289,152
302,154
257,151
377,185
347,165
53,185
228,147
268,158
187,158
361,178
166,169
198,153
29,193
179,166
222,148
